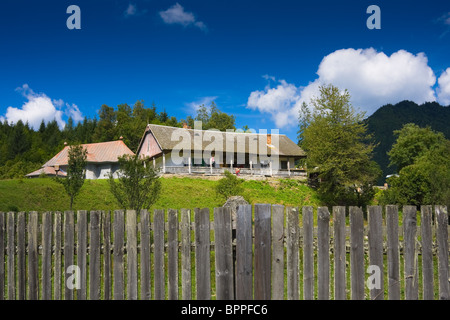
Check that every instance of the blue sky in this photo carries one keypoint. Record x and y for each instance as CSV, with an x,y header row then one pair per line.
x,y
257,60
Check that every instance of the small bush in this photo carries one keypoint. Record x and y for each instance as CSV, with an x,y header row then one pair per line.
x,y
229,186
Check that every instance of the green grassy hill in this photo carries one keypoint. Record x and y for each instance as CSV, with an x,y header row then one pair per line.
x,y
47,195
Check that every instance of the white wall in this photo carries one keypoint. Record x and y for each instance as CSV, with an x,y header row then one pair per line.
x,y
101,170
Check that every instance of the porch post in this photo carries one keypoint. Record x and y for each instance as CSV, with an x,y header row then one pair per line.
x,y
251,167
210,164
289,167
164,162
154,163
189,164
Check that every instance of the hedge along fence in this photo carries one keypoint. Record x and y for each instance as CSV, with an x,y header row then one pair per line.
x,y
276,252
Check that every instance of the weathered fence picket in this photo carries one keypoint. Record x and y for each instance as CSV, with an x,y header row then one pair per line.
x,y
323,253
292,253
11,252
94,256
172,256
263,258
375,236
427,252
223,254
119,238
158,237
308,253
46,256
69,230
410,254
21,258
146,292
82,253
106,222
57,263
393,252
339,253
33,258
442,243
186,282
202,254
262,252
244,253
132,256
357,253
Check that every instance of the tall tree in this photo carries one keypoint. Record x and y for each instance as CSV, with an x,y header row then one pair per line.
x,y
213,118
333,136
75,172
125,122
19,141
106,126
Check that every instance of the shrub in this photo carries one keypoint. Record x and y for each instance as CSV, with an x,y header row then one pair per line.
x,y
229,186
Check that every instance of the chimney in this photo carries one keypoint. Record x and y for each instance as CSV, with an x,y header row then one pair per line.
x,y
269,139
185,126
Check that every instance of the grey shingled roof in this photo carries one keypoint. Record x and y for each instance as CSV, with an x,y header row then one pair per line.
x,y
170,137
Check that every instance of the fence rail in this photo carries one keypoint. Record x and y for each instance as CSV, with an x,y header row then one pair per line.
x,y
276,252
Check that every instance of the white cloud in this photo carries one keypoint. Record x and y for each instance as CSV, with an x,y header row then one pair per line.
x,y
445,19
177,15
73,111
274,100
372,78
194,105
443,90
40,107
268,77
132,10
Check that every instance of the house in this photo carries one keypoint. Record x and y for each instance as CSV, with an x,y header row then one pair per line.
x,y
102,159
187,150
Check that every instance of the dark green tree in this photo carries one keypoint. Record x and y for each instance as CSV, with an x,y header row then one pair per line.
x,y
423,158
69,131
75,172
19,141
106,126
138,186
213,118
413,142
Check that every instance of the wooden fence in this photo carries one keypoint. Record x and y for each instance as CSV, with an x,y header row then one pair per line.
x,y
276,252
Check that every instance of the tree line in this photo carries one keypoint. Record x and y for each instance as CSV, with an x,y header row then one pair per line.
x,y
24,149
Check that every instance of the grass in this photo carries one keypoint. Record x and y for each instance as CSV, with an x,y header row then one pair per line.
x,y
44,194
